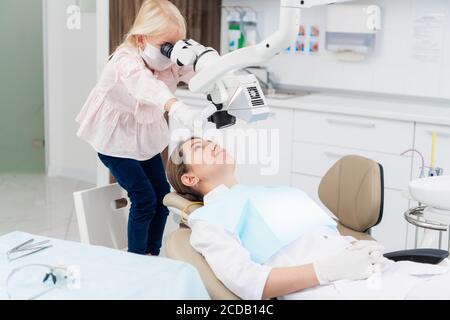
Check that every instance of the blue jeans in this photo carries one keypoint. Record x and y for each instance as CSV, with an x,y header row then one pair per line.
x,y
146,184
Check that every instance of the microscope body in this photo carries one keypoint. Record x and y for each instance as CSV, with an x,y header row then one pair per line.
x,y
235,96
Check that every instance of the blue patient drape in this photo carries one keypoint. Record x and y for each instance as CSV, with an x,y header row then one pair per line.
x,y
264,219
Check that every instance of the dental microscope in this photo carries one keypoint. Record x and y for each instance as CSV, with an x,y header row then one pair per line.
x,y
235,95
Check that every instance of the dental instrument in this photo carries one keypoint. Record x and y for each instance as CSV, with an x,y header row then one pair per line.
x,y
61,277
238,96
433,149
27,246
434,170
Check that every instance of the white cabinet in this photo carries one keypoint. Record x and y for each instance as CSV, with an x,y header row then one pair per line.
x,y
315,159
353,132
391,232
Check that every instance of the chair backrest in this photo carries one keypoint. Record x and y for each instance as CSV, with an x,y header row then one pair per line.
x,y
178,247
353,190
100,223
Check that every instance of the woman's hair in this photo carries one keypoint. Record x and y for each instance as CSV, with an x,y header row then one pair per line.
x,y
154,19
176,168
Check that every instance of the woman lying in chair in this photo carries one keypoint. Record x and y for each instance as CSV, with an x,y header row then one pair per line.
x,y
264,243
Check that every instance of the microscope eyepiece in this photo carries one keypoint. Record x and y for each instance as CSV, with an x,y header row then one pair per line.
x,y
166,49
222,119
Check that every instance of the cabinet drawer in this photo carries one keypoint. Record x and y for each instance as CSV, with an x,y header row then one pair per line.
x,y
354,132
423,144
312,159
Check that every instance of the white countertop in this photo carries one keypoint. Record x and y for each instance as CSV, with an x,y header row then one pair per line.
x,y
400,109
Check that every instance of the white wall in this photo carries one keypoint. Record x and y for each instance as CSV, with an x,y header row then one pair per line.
x,y
103,175
71,71
390,69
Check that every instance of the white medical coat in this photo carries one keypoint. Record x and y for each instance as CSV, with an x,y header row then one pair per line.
x,y
232,265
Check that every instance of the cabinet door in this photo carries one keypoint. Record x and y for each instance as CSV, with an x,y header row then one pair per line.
x,y
392,231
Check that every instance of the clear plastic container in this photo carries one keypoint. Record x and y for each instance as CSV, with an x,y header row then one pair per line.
x,y
250,25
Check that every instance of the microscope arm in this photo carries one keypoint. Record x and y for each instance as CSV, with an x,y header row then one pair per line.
x,y
250,56
290,14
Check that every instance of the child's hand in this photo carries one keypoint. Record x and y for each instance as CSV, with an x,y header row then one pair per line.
x,y
188,116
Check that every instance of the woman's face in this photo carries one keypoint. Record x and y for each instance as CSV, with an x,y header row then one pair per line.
x,y
207,161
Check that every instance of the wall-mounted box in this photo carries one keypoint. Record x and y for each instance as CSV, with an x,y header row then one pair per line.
x,y
351,30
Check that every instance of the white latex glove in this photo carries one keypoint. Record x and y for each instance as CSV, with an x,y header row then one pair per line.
x,y
190,116
376,250
357,262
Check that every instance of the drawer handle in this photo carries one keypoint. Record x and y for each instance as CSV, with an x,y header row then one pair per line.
x,y
333,155
352,123
439,133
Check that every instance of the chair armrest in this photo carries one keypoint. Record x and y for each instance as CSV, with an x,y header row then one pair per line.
x,y
429,256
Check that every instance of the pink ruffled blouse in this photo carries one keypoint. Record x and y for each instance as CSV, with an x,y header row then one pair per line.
x,y
123,115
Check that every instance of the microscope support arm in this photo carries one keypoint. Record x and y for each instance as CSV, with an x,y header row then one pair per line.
x,y
290,14
250,56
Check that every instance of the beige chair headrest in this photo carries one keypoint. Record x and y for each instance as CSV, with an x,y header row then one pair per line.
x,y
353,191
178,247
184,206
174,200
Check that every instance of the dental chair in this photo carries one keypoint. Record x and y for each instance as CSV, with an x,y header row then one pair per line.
x,y
353,190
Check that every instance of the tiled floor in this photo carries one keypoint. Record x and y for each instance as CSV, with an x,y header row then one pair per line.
x,y
39,205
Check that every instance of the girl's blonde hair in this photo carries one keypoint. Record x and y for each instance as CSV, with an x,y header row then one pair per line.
x,y
154,19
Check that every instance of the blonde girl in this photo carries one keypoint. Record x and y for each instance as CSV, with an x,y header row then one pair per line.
x,y
123,118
